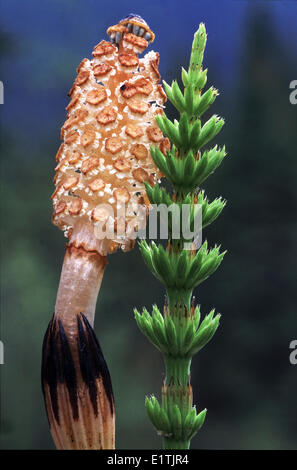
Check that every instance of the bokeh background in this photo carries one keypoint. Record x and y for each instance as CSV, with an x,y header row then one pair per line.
x,y
243,376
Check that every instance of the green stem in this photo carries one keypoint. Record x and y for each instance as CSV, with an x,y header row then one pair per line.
x,y
179,332
178,297
175,444
177,370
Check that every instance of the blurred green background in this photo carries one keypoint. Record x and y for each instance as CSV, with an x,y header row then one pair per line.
x,y
243,376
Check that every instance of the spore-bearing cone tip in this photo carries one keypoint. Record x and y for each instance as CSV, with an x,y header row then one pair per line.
x,y
77,388
133,24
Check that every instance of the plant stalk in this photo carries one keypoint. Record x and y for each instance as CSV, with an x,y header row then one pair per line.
x,y
180,333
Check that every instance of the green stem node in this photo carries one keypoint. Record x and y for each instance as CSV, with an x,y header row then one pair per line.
x,y
177,370
177,298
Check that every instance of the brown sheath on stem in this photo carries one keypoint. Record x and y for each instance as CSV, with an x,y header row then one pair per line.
x,y
100,203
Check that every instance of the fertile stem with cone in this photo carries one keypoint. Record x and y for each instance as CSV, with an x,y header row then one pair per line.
x,y
180,332
102,165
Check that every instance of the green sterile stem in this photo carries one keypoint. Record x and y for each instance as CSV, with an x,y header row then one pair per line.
x,y
177,367
177,370
178,297
175,444
177,393
179,333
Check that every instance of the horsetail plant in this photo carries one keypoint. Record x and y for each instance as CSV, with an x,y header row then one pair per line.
x,y
180,332
101,168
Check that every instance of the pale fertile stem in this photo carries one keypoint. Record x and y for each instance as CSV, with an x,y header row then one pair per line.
x,y
80,281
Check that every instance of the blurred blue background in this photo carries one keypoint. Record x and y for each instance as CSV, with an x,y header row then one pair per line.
x,y
243,376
